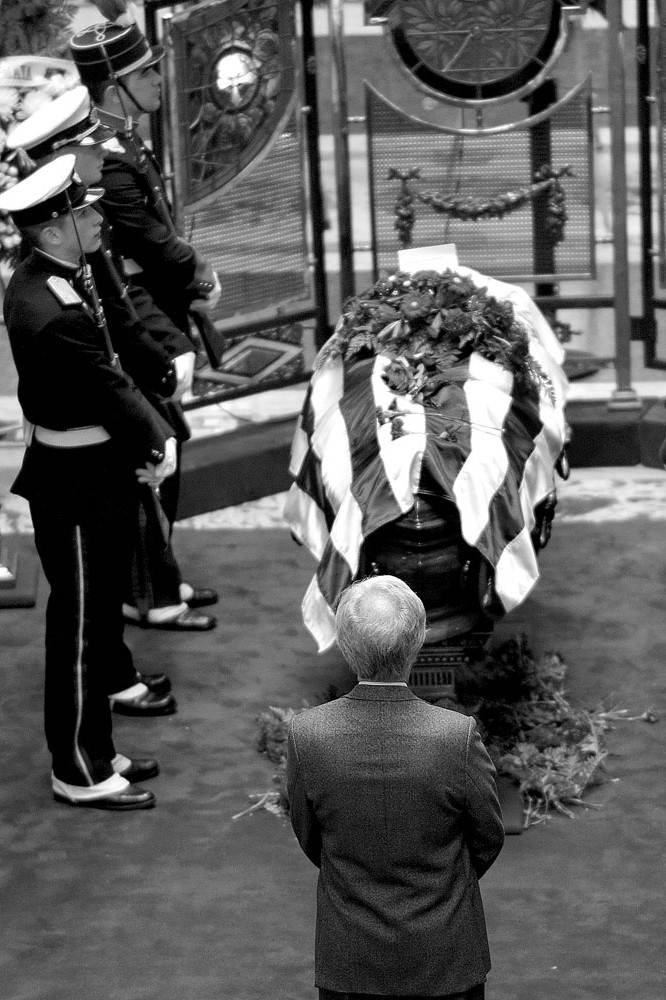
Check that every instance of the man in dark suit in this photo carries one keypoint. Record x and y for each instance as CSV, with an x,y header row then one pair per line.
x,y
394,800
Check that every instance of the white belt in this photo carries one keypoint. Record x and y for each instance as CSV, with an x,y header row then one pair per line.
x,y
130,267
76,437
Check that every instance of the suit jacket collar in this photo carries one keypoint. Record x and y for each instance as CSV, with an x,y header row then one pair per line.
x,y
381,692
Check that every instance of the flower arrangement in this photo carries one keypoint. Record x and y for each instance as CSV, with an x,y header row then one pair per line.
x,y
428,324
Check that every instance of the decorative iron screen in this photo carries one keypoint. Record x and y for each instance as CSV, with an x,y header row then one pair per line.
x,y
482,171
253,233
232,74
238,153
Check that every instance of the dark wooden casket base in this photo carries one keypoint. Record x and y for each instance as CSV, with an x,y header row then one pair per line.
x,y
425,548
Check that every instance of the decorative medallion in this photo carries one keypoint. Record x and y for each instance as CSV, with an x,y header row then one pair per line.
x,y
476,50
235,81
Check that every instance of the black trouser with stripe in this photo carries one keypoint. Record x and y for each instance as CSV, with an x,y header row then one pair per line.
x,y
84,540
156,575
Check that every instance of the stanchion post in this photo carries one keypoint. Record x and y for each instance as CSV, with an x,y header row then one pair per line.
x,y
341,147
624,395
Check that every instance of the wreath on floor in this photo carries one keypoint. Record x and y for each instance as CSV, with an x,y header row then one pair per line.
x,y
554,751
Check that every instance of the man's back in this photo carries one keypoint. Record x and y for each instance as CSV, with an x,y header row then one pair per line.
x,y
394,799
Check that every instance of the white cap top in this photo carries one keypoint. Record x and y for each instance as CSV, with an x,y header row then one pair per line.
x,y
51,191
47,182
67,120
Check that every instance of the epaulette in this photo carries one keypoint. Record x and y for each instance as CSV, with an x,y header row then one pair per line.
x,y
113,145
63,291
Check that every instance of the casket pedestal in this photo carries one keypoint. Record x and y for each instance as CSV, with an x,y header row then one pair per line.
x,y
426,550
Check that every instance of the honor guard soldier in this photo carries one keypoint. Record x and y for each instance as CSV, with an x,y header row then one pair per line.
x,y
154,352
119,68
92,438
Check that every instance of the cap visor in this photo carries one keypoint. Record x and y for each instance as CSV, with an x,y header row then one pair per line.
x,y
98,135
159,53
92,195
155,55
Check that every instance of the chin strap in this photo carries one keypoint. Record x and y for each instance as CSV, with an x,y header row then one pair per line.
x,y
91,289
119,83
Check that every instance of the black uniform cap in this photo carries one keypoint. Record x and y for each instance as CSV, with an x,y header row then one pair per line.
x,y
108,49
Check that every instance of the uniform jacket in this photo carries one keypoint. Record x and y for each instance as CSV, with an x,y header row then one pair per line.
x,y
139,230
394,800
65,378
145,338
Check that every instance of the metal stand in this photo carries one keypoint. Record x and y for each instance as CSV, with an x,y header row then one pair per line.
x,y
433,676
624,397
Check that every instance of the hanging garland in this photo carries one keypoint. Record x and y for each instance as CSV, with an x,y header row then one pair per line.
x,y
405,215
547,180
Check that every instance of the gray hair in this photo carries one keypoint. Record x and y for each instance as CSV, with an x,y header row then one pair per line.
x,y
380,627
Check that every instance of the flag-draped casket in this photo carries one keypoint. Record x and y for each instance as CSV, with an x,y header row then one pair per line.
x,y
456,375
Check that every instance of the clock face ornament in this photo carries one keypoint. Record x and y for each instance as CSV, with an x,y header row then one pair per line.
x,y
477,50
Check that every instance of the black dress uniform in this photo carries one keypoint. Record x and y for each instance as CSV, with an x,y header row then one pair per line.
x,y
157,259
93,428
147,343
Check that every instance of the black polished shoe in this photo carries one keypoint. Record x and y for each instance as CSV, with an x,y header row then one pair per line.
x,y
140,769
133,797
145,704
157,683
186,621
202,597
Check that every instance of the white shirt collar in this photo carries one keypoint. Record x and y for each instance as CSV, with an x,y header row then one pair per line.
x,y
57,260
385,683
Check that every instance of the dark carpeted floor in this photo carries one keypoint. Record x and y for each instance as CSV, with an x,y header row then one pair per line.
x,y
182,903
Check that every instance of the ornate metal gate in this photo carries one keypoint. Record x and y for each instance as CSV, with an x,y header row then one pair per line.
x,y
240,145
470,140
652,95
493,150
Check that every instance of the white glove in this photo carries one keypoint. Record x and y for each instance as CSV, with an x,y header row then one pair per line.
x,y
213,297
184,365
209,301
154,474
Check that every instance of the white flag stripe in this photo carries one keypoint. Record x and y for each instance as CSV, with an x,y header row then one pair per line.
x,y
347,531
525,310
329,438
537,479
318,616
516,571
306,519
401,456
485,467
299,448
